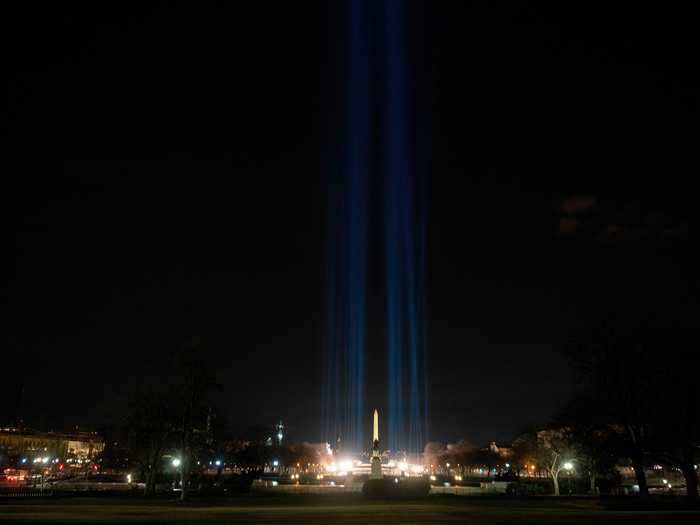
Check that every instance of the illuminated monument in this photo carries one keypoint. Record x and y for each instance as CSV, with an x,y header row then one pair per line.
x,y
376,471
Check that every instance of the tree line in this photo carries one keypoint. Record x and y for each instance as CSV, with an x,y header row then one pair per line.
x,y
168,425
639,398
637,405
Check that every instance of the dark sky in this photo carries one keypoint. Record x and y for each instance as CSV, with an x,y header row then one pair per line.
x,y
164,176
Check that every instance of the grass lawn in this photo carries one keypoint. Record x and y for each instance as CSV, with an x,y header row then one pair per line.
x,y
341,509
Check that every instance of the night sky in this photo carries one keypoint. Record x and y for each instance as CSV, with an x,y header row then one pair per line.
x,y
165,176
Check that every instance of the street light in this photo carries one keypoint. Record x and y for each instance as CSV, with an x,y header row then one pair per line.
x,y
177,462
568,466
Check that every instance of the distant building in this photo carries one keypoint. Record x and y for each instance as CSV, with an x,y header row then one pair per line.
x,y
31,443
503,451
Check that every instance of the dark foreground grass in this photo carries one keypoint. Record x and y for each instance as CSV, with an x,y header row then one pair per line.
x,y
341,509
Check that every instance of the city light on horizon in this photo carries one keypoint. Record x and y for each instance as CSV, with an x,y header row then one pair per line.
x,y
464,224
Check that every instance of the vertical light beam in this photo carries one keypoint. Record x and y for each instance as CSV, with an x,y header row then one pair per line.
x,y
347,248
403,255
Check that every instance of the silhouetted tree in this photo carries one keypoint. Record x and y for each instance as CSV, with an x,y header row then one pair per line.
x,y
193,381
151,426
483,457
554,451
254,456
597,444
459,455
171,413
617,366
525,451
301,455
675,432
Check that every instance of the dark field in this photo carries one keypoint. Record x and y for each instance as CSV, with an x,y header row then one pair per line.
x,y
330,509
